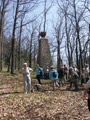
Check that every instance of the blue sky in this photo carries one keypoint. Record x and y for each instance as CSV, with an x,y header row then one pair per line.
x,y
52,18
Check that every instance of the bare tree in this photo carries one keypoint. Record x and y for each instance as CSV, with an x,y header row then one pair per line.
x,y
30,44
20,35
59,37
73,19
69,49
46,10
87,4
3,7
25,5
13,38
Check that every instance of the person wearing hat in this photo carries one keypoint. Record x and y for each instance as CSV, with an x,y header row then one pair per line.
x,y
53,75
27,78
73,78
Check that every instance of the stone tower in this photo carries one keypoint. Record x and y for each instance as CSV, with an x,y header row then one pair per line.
x,y
44,55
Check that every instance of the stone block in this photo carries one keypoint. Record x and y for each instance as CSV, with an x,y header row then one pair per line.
x,y
44,55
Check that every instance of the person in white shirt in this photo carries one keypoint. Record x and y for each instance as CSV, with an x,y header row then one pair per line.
x,y
86,72
47,73
27,78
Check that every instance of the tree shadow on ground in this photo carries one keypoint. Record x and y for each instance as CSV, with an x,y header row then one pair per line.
x,y
72,90
5,88
59,89
8,93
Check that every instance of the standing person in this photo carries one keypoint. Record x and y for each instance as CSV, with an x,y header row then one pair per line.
x,y
77,72
53,75
73,78
86,72
65,72
47,73
76,69
87,91
39,73
27,78
83,76
61,76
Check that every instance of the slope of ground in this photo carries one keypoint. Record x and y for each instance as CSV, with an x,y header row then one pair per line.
x,y
44,105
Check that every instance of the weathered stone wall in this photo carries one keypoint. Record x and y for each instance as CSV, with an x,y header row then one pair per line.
x,y
44,55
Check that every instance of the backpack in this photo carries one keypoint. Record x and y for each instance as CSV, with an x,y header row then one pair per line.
x,y
54,74
40,72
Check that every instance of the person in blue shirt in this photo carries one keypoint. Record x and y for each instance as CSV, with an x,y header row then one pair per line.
x,y
53,75
38,73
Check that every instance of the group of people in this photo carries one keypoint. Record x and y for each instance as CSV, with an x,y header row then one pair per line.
x,y
52,74
61,75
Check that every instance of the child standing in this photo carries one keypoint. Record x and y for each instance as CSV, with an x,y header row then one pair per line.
x,y
27,78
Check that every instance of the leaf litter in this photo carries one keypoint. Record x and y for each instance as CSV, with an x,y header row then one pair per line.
x,y
43,105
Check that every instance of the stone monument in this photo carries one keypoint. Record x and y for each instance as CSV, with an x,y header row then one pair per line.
x,y
44,55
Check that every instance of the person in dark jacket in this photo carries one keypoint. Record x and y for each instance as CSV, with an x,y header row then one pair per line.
x,y
73,78
61,76
65,72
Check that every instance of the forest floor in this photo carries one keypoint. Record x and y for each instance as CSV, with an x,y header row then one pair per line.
x,y
43,105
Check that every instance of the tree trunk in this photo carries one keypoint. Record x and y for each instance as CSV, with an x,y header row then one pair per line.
x,y
34,53
77,53
30,52
13,39
45,16
1,35
15,62
8,70
58,55
67,38
19,51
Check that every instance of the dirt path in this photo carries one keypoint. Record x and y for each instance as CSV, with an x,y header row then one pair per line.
x,y
43,105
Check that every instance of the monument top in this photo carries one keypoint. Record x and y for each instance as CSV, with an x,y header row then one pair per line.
x,y
43,34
